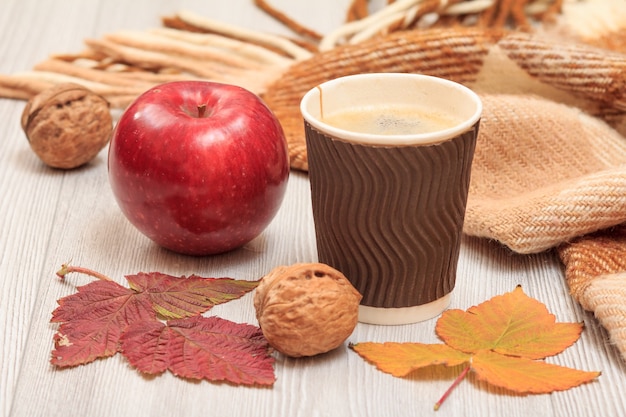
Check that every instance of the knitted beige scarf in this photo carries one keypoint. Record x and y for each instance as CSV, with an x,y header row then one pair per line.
x,y
550,166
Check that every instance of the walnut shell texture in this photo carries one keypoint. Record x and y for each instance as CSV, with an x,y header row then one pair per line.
x,y
67,125
306,309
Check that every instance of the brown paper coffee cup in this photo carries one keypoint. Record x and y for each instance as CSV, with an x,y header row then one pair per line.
x,y
389,208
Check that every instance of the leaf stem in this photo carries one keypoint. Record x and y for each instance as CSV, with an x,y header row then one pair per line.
x,y
67,268
201,110
456,382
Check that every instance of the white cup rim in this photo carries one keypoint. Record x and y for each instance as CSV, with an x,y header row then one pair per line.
x,y
395,140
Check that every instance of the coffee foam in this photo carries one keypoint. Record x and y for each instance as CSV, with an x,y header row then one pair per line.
x,y
434,95
391,120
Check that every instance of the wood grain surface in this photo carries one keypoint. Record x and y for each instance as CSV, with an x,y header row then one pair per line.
x,y
48,217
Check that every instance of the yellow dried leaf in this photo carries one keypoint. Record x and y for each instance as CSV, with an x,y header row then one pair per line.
x,y
400,359
526,376
500,340
511,324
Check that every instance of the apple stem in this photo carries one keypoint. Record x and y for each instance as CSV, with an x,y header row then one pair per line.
x,y
66,269
201,110
456,382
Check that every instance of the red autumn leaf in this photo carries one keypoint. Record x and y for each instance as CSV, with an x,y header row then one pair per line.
x,y
93,319
500,340
178,297
200,348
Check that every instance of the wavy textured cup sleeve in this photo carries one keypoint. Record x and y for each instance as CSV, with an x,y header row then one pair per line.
x,y
391,218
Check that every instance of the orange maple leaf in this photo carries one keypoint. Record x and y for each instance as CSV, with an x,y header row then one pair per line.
x,y
501,340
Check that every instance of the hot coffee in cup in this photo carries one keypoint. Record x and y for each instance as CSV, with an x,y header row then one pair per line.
x,y
389,163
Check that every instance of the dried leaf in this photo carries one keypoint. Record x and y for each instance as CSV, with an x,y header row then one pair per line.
x,y
93,320
526,376
200,348
511,324
400,359
500,340
178,297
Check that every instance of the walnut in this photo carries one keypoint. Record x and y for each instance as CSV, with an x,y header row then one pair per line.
x,y
306,309
67,125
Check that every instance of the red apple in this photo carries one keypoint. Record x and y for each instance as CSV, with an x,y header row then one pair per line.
x,y
199,167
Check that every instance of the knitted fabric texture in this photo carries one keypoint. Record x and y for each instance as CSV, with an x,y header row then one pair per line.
x,y
586,258
595,267
544,173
